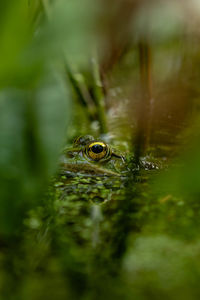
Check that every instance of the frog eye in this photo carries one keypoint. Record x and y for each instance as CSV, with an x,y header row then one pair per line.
x,y
98,151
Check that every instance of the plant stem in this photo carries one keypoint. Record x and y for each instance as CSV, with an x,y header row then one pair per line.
x,y
99,96
145,104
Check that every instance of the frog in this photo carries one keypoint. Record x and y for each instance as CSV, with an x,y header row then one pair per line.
x,y
92,156
92,169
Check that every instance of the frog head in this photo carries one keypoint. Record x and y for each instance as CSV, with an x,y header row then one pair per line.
x,y
93,154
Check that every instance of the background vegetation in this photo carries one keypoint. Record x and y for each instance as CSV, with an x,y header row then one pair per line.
x,y
129,72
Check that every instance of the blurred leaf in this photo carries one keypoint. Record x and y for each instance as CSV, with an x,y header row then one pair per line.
x,y
182,179
70,29
15,34
159,266
33,126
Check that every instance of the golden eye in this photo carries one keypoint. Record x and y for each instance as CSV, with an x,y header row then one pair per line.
x,y
97,151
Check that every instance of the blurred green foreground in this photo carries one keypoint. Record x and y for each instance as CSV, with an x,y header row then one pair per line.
x,y
128,72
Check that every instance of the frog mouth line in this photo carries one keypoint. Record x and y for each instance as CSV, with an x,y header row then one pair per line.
x,y
86,168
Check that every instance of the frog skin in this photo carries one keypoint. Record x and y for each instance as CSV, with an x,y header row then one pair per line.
x,y
91,156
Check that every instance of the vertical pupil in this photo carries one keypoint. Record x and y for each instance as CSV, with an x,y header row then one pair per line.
x,y
97,148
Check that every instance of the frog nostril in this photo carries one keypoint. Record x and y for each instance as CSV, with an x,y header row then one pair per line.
x,y
97,148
